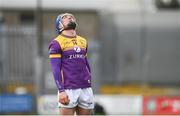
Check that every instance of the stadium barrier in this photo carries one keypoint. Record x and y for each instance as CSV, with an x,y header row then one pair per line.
x,y
112,104
16,104
120,105
161,105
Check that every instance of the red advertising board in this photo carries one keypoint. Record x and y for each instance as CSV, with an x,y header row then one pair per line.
x,y
160,105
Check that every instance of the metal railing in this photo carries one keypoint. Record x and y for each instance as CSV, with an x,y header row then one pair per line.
x,y
18,50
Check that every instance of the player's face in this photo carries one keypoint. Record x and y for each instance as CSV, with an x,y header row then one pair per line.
x,y
69,22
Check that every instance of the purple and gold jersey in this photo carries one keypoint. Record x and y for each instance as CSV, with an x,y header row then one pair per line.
x,y
74,69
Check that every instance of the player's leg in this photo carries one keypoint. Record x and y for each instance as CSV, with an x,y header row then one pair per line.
x,y
67,111
85,102
82,111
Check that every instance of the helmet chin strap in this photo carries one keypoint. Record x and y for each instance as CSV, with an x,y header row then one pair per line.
x,y
67,28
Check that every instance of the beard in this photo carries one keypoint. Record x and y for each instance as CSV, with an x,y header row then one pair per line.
x,y
71,25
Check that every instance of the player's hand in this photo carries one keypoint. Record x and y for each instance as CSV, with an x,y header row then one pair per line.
x,y
63,98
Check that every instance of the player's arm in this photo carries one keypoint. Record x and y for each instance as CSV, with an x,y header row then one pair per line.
x,y
55,59
56,69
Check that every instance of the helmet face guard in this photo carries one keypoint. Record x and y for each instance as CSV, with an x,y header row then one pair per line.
x,y
59,24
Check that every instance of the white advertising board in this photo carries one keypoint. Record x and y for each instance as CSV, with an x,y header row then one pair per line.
x,y
120,104
47,104
112,104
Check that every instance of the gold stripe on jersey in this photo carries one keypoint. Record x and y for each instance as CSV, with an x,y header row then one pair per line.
x,y
69,43
55,56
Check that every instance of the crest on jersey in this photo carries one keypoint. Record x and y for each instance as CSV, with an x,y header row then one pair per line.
x,y
77,49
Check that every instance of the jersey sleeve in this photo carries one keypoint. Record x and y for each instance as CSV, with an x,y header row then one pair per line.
x,y
54,49
55,59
